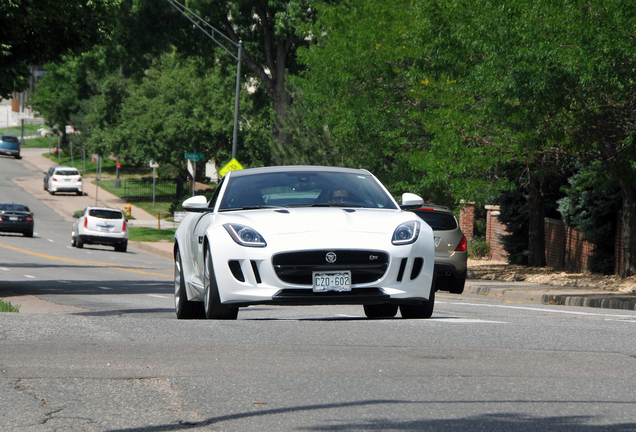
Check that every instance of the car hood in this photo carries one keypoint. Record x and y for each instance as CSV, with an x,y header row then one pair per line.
x,y
319,219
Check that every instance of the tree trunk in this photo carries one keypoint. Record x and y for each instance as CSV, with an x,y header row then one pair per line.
x,y
628,193
536,231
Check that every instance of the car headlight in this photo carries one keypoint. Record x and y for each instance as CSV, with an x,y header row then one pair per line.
x,y
245,236
406,233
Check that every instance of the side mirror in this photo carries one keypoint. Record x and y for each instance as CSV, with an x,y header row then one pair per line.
x,y
197,203
411,201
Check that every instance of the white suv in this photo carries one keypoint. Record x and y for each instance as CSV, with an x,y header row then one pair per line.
x,y
63,179
102,226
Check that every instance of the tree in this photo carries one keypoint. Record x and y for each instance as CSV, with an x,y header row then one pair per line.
x,y
592,202
42,31
379,88
60,92
267,29
179,107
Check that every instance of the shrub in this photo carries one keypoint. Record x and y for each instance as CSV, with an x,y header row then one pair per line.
x,y
478,247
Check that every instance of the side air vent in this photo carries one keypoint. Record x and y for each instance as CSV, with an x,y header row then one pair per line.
x,y
257,274
402,268
417,267
235,268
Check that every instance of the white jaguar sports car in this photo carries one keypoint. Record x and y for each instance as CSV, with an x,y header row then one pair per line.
x,y
303,235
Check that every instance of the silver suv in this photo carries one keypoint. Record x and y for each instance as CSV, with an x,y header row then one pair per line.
x,y
450,248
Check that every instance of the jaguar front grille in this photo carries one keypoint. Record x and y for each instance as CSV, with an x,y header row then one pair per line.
x,y
296,267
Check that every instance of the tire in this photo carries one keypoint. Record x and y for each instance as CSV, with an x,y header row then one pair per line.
x,y
184,308
79,193
424,310
212,302
121,247
28,233
457,286
79,243
385,310
73,242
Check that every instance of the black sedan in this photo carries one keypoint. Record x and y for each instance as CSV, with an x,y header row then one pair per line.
x,y
17,218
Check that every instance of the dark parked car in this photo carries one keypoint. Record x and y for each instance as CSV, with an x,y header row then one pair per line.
x,y
10,146
450,248
16,217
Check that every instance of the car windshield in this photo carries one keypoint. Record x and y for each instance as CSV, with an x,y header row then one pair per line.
x,y
13,207
9,145
67,172
438,221
304,189
9,138
105,214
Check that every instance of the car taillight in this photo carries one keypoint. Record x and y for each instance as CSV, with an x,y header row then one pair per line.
x,y
461,247
29,218
124,226
53,178
85,222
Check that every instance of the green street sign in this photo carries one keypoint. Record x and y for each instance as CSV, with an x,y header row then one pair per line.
x,y
194,156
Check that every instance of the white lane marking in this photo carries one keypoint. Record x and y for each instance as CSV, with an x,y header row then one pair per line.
x,y
438,319
104,288
29,276
464,320
4,268
539,309
158,296
50,240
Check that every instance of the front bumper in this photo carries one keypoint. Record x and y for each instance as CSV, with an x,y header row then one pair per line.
x,y
248,276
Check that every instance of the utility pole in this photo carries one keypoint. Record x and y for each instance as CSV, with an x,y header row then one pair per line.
x,y
239,46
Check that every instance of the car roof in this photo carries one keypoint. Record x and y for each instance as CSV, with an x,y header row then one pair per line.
x,y
102,208
292,168
7,202
64,167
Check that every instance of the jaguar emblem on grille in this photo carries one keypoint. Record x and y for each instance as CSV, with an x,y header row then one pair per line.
x,y
331,257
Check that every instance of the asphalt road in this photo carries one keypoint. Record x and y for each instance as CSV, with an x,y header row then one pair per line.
x,y
120,361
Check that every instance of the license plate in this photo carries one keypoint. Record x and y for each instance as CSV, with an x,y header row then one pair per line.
x,y
13,218
333,281
105,229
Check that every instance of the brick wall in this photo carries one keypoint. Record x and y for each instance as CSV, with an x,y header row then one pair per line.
x,y
565,247
618,245
554,242
494,230
467,220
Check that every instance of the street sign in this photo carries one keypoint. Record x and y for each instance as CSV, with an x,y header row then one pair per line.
x,y
232,165
194,156
153,164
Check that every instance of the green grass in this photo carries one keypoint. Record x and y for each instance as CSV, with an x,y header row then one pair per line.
x,y
150,234
8,307
161,207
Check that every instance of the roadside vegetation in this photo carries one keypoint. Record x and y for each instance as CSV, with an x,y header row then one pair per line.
x,y
146,234
8,307
456,101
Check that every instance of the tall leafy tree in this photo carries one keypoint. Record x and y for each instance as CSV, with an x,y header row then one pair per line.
x,y
377,86
42,31
267,29
61,91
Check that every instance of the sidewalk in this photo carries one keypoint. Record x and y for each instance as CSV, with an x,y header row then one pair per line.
x,y
67,204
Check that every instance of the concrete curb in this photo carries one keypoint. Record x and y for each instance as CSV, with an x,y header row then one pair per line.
x,y
545,294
